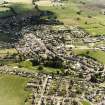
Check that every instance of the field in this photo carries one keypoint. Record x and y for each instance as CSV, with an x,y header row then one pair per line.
x,y
12,90
87,15
72,12
20,6
27,65
98,55
85,103
6,52
20,1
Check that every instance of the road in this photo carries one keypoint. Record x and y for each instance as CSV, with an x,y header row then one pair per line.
x,y
43,90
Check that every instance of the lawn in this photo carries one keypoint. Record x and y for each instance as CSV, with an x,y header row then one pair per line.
x,y
12,90
85,103
98,55
50,70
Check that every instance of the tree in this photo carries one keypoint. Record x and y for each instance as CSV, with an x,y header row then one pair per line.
x,y
74,102
33,2
93,79
40,67
81,75
13,10
87,52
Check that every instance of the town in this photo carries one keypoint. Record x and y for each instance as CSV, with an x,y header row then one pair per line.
x,y
46,61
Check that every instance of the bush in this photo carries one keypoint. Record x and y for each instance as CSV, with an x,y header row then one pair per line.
x,y
26,64
81,75
93,79
79,12
40,67
89,16
75,102
35,62
86,22
78,90
78,18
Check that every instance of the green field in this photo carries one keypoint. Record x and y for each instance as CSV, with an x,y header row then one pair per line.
x,y
91,20
90,17
98,55
19,8
28,65
12,90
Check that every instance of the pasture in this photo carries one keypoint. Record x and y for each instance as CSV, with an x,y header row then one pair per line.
x,y
12,90
86,14
97,55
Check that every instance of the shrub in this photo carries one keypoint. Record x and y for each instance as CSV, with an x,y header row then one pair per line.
x,y
89,16
78,18
86,22
79,12
26,64
40,67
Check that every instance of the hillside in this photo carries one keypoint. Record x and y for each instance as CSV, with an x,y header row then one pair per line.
x,y
87,14
52,52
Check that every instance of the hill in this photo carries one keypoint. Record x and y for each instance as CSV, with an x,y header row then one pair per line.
x,y
87,14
